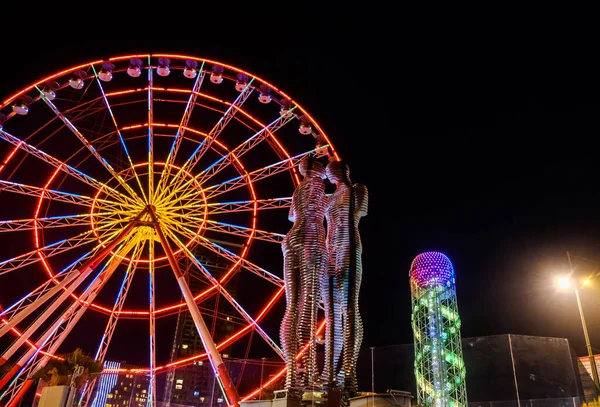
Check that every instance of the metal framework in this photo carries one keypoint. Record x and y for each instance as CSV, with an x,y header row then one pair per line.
x,y
131,176
439,365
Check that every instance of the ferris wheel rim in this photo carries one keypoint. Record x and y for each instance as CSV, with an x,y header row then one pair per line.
x,y
10,99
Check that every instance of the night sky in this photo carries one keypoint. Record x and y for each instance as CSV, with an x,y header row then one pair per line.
x,y
476,140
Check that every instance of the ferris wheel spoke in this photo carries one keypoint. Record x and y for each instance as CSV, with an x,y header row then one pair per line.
x,y
43,291
220,250
50,287
113,318
150,136
257,175
215,208
56,195
152,320
228,296
219,368
24,307
123,243
52,249
122,140
56,163
220,126
119,302
181,129
54,336
87,145
237,230
234,155
23,379
190,206
82,219
215,131
249,205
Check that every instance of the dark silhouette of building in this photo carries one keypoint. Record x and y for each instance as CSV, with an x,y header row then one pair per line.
x,y
499,368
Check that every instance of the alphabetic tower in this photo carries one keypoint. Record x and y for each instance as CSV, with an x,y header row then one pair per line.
x,y
439,365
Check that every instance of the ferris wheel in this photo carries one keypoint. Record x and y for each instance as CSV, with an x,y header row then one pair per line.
x,y
115,176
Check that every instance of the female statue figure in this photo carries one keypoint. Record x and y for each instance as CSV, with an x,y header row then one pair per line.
x,y
340,285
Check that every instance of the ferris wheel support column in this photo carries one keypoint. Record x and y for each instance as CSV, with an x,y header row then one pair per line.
x,y
9,324
52,338
152,319
111,324
82,273
71,316
17,399
219,368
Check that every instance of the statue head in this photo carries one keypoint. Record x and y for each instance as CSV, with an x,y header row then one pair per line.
x,y
338,172
309,167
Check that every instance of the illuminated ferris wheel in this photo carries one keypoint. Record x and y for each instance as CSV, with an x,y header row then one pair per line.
x,y
114,176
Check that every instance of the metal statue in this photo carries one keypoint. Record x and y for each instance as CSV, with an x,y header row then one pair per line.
x,y
341,283
305,261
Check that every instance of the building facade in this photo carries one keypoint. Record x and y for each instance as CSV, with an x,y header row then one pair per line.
x,y
116,388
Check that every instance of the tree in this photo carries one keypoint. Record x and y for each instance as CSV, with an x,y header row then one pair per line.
x,y
5,368
58,372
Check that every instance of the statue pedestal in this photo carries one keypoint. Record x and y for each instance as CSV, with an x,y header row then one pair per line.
x,y
282,399
393,398
333,399
287,402
256,403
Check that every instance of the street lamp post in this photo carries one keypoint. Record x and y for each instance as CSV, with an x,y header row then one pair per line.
x,y
585,333
587,343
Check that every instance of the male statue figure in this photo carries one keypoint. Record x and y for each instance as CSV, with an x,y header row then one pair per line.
x,y
304,262
340,285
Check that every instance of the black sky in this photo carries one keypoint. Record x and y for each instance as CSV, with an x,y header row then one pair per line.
x,y
476,135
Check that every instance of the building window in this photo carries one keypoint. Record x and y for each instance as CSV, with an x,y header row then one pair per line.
x,y
179,381
184,346
178,387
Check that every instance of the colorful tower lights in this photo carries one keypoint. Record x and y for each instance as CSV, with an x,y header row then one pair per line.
x,y
439,366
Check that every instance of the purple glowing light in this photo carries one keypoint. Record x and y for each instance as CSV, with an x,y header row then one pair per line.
x,y
431,269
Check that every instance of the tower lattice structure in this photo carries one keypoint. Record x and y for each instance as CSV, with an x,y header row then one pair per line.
x,y
439,366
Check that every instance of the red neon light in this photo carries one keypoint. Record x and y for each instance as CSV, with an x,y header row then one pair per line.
x,y
282,371
224,343
7,159
46,79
